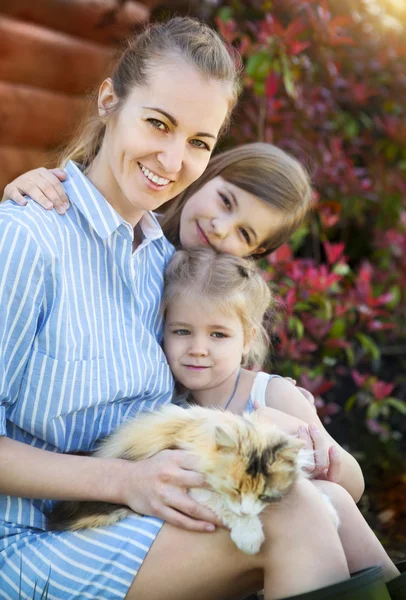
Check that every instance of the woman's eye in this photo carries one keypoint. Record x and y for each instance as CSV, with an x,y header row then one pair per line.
x,y
245,235
226,201
158,124
200,144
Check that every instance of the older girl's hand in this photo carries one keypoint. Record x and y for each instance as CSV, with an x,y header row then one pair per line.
x,y
158,486
43,186
326,462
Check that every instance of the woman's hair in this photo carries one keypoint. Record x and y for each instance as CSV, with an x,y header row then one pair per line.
x,y
231,284
183,37
262,170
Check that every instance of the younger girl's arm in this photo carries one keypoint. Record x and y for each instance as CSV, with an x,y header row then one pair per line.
x,y
42,185
283,396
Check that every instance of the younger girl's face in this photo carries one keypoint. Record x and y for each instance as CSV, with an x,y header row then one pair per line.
x,y
204,346
228,219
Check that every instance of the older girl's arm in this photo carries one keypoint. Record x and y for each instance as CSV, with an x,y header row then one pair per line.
x,y
283,396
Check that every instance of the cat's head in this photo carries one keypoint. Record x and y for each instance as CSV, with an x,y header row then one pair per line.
x,y
251,466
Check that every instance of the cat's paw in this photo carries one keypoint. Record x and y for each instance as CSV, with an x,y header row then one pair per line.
x,y
248,535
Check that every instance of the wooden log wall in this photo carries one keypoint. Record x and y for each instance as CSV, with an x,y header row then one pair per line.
x,y
52,53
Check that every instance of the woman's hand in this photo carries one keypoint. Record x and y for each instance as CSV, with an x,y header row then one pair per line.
x,y
326,462
43,186
158,486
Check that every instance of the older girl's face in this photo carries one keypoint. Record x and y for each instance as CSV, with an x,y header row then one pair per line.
x,y
161,139
228,219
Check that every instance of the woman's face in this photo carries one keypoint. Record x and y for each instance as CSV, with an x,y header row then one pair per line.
x,y
228,219
161,139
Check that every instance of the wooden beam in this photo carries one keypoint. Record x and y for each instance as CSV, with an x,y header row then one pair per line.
x,y
37,56
35,118
15,161
105,21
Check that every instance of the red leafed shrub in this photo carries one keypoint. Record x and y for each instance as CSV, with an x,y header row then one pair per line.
x,y
326,81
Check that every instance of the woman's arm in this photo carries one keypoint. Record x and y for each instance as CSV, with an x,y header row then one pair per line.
x,y
283,396
42,185
155,486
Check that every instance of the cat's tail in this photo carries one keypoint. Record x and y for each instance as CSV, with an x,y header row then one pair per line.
x,y
73,516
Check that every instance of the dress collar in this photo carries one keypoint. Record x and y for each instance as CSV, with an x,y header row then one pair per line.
x,y
98,211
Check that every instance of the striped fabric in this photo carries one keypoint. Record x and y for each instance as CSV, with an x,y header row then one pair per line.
x,y
80,332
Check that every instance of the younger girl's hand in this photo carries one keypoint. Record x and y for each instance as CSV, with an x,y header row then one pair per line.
x,y
327,459
158,486
43,186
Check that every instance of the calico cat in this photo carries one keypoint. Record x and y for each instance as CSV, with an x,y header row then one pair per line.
x,y
248,465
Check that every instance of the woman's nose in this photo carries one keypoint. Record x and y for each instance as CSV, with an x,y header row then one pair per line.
x,y
171,157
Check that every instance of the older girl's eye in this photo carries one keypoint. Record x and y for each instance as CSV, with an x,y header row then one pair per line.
x,y
200,144
246,236
158,124
226,201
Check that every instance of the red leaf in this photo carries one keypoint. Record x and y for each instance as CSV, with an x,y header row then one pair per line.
x,y
271,84
333,251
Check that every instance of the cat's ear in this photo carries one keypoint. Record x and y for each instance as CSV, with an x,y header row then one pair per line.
x,y
291,449
223,439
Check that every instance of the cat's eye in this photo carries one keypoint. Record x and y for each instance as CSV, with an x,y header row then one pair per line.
x,y
265,498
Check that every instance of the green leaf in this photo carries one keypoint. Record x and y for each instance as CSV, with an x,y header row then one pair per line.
x,y
369,346
341,269
373,410
259,65
338,328
399,405
350,403
350,356
287,77
225,13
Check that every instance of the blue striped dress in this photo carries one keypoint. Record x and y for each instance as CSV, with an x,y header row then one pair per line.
x,y
80,332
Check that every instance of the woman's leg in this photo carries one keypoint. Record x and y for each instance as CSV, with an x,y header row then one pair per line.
x,y
361,546
302,552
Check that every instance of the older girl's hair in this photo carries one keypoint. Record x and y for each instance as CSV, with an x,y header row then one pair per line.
x,y
231,284
193,41
262,170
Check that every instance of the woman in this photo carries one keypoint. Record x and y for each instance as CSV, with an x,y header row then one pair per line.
x,y
81,353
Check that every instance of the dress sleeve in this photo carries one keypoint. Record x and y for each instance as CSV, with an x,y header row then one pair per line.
x,y
21,296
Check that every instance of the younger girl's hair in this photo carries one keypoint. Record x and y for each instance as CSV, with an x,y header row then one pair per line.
x,y
231,284
180,37
262,170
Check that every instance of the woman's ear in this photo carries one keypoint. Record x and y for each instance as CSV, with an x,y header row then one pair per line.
x,y
107,98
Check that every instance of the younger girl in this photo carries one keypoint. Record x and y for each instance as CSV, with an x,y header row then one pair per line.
x,y
214,307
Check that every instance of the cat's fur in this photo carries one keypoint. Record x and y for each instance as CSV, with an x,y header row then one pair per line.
x,y
247,464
